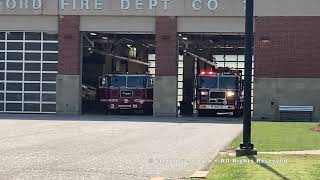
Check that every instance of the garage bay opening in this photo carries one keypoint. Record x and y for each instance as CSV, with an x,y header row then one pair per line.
x,y
211,69
118,73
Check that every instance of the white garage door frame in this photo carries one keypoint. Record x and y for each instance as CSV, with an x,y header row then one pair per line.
x,y
29,71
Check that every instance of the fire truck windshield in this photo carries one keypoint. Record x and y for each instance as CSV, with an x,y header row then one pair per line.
x,y
228,82
220,82
136,82
127,81
118,81
208,82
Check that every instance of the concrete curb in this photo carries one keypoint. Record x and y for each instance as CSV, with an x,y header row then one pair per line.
x,y
200,174
306,152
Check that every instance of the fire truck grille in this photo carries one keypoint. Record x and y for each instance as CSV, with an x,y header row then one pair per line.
x,y
214,95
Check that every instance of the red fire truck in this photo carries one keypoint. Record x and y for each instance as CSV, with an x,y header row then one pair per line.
x,y
126,92
219,91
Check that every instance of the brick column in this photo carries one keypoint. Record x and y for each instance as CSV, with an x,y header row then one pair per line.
x,y
69,66
165,89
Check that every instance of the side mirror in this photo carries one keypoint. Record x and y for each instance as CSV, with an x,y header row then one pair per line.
x,y
181,52
242,84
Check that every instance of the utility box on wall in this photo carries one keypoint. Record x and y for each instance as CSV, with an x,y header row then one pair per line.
x,y
68,94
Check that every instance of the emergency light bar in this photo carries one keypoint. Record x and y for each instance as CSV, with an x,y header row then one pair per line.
x,y
207,73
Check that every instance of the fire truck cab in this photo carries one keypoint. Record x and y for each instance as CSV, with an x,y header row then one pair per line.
x,y
126,92
219,91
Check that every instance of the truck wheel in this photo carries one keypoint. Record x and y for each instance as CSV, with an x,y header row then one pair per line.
x,y
237,113
113,112
148,111
202,113
213,113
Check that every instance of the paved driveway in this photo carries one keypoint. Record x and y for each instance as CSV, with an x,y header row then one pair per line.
x,y
109,147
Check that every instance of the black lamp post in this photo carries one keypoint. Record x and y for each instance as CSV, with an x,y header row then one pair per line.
x,y
247,148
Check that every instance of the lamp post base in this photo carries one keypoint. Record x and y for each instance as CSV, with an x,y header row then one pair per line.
x,y
246,152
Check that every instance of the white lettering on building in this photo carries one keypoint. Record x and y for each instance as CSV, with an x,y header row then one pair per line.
x,y
196,5
140,4
63,4
84,4
125,4
11,4
98,4
152,4
36,4
165,4
74,6
211,4
24,4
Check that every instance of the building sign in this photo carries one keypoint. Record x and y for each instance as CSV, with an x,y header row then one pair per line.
x,y
21,4
118,7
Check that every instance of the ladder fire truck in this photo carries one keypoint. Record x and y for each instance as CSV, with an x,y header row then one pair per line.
x,y
218,90
126,92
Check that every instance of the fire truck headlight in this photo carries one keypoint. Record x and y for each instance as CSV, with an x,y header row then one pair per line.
x,y
230,94
204,93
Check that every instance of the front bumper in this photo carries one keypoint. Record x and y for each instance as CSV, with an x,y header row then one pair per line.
x,y
129,106
217,107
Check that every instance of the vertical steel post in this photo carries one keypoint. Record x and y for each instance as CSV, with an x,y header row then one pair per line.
x,y
247,145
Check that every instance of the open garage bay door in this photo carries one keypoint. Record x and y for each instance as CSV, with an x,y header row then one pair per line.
x,y
28,69
112,65
225,50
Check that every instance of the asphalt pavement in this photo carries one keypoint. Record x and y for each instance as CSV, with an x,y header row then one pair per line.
x,y
110,147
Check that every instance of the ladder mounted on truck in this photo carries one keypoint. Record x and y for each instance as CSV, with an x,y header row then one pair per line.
x,y
200,58
115,56
122,58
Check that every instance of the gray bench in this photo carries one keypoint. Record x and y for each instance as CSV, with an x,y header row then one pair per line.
x,y
296,112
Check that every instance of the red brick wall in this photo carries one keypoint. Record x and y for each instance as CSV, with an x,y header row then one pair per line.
x,y
69,45
287,47
166,43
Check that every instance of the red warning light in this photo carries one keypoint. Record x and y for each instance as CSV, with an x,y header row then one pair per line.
x,y
203,73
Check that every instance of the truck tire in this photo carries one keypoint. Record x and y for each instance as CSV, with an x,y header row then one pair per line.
x,y
148,111
213,113
207,113
237,113
202,113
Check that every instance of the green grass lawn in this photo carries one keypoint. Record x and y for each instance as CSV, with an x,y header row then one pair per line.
x,y
273,136
296,167
283,136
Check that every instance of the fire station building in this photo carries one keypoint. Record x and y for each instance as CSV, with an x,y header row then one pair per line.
x,y
45,49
